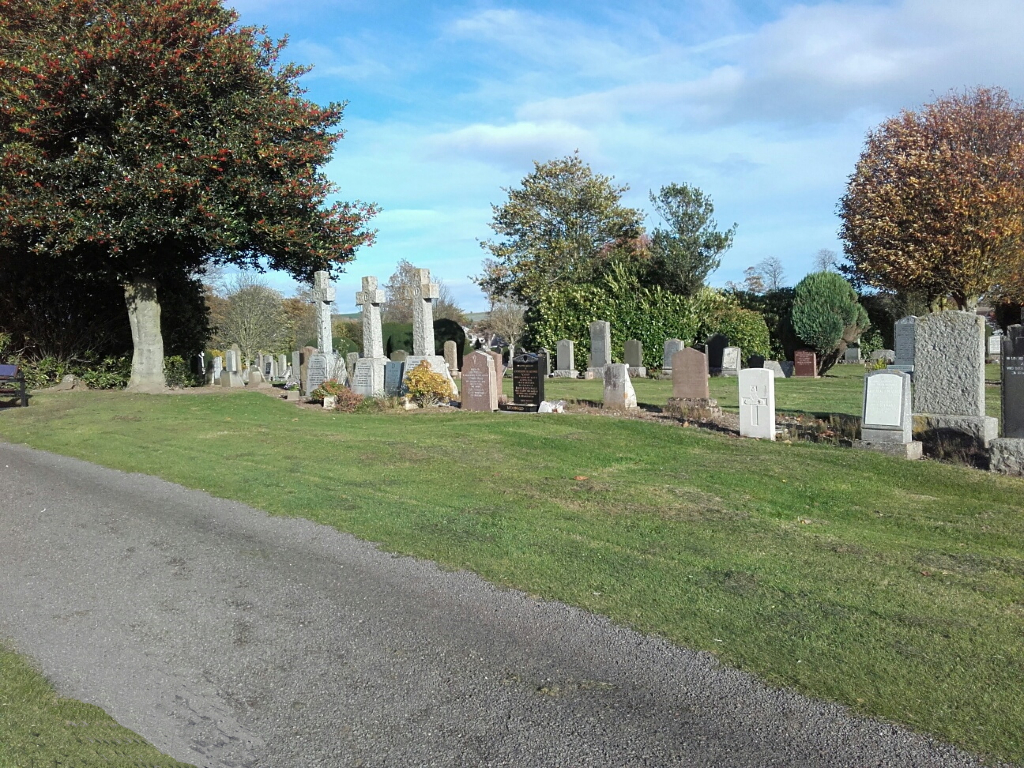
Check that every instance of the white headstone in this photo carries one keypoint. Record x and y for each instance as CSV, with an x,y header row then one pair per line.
x,y
731,361
887,414
757,403
368,376
618,389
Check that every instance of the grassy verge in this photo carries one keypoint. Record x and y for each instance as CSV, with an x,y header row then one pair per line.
x,y
39,729
894,587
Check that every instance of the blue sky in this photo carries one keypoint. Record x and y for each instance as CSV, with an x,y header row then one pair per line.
x,y
763,104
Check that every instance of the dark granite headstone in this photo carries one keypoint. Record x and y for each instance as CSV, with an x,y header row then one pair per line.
x,y
805,363
755,361
1013,382
394,374
716,345
527,383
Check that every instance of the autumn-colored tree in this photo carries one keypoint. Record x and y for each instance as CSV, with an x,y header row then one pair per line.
x,y
936,203
565,224
402,290
143,140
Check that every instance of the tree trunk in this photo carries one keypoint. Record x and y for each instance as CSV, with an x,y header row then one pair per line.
x,y
148,342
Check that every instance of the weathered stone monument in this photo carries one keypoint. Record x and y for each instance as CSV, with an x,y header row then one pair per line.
x,y
949,379
671,347
805,363
425,292
230,376
690,375
545,362
715,346
886,420
731,357
451,355
565,361
527,383
323,294
995,344
1007,451
600,346
852,354
318,370
368,371
634,353
757,403
479,382
619,394
394,378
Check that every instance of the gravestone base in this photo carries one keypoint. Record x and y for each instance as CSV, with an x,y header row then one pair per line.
x,y
568,374
976,432
692,407
1007,456
638,372
520,407
292,395
598,372
913,450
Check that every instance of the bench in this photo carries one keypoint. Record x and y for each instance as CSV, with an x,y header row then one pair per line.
x,y
12,382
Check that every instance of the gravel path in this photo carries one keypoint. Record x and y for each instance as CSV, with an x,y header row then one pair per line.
x,y
230,638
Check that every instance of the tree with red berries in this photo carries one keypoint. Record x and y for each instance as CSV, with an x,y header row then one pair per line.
x,y
144,140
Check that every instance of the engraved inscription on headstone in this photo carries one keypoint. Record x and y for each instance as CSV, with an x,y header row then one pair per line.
x,y
317,371
394,375
883,401
805,363
1012,362
479,382
527,383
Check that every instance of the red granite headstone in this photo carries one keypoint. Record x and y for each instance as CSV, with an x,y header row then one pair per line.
x,y
690,374
479,382
805,363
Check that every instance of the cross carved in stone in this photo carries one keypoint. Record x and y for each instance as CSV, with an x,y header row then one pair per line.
x,y
322,288
754,401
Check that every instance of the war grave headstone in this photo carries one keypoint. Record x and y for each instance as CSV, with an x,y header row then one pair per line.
x,y
904,332
851,355
949,380
757,403
527,383
600,346
731,357
634,354
368,371
886,418
805,363
394,378
619,394
479,382
565,360
1007,451
671,347
716,345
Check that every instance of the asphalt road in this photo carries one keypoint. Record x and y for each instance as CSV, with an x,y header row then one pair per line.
x,y
230,638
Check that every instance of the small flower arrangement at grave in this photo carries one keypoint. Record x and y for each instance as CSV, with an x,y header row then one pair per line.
x,y
426,387
332,387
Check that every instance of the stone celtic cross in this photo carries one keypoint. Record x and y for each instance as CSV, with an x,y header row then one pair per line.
x,y
323,294
370,299
423,313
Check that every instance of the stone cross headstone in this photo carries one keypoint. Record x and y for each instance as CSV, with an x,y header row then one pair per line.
x,y
394,378
634,353
805,363
731,364
690,375
323,294
527,383
671,347
716,345
479,382
619,394
903,334
423,314
1012,365
757,403
451,355
566,357
887,415
370,299
600,345
318,370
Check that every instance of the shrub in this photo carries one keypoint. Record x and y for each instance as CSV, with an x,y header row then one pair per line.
x,y
426,387
108,373
178,373
826,316
330,387
348,401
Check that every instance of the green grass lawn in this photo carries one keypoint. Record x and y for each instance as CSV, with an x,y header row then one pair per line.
x,y
894,587
38,729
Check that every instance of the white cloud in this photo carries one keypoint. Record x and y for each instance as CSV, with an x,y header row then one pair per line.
x,y
512,146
